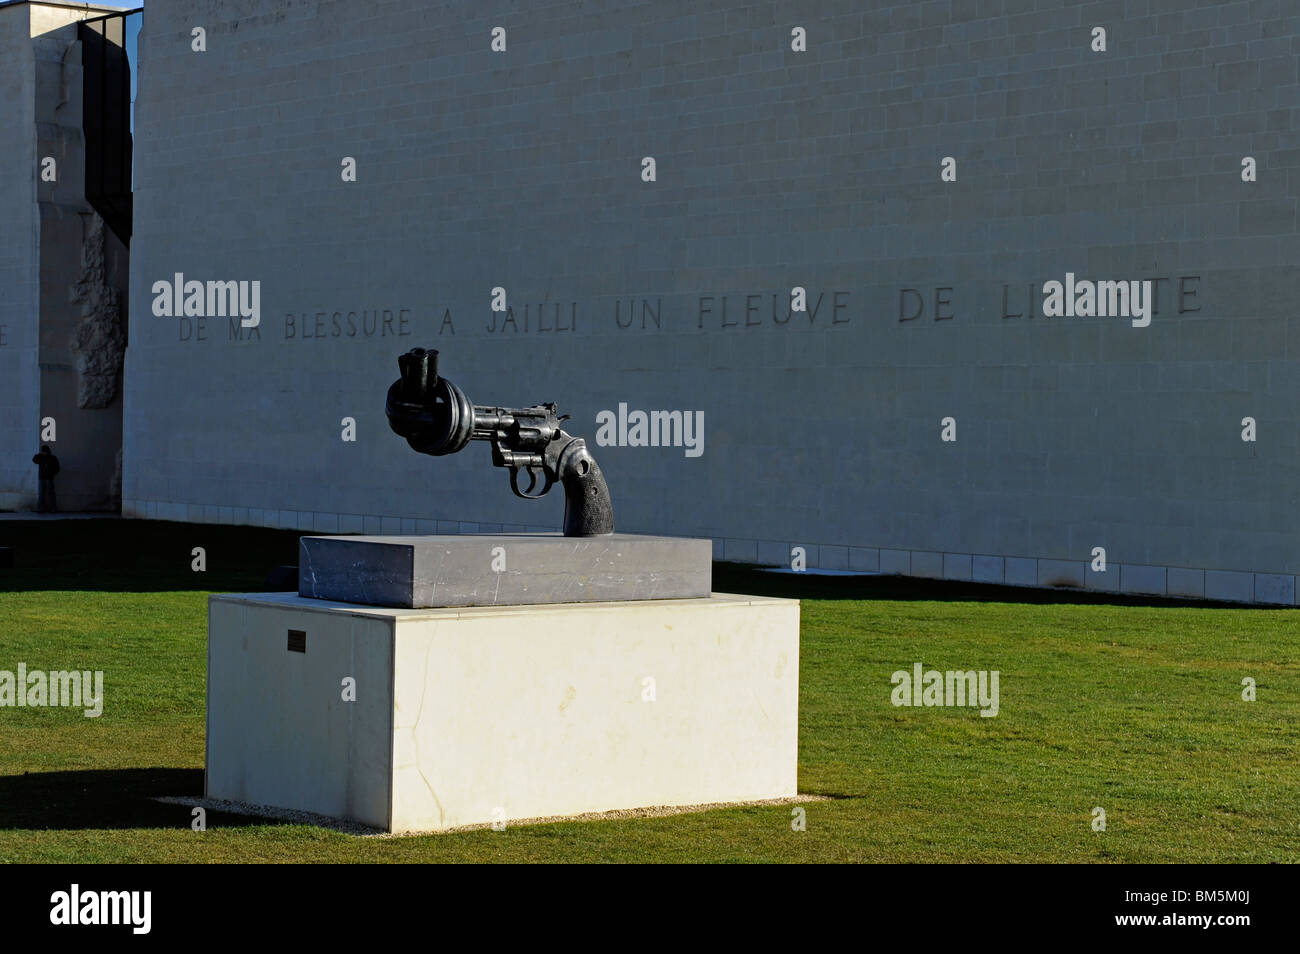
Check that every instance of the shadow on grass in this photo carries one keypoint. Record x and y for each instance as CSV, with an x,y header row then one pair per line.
x,y
141,556
743,578
108,799
134,556
115,799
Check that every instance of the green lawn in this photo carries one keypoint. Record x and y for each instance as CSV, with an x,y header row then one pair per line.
x,y
1134,708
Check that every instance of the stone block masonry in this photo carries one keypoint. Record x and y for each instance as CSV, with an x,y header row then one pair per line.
x,y
823,428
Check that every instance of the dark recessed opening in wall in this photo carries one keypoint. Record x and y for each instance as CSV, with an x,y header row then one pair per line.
x,y
106,64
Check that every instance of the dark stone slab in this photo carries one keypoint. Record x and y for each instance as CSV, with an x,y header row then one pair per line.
x,y
502,569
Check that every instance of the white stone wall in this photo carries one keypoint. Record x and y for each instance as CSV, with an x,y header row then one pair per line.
x,y
19,282
56,271
84,275
821,169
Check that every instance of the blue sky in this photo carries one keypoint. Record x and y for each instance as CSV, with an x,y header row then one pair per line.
x,y
132,53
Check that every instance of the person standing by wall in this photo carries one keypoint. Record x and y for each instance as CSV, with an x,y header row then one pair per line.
x,y
48,466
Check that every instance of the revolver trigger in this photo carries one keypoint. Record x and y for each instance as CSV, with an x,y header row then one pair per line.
x,y
533,472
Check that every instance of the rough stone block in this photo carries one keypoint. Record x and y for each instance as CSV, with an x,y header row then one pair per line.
x,y
957,566
987,569
927,564
1275,589
1061,573
1184,582
1105,581
773,553
1142,579
1231,585
832,557
1021,571
502,569
866,559
896,562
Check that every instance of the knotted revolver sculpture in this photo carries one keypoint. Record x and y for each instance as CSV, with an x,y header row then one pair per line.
x,y
437,418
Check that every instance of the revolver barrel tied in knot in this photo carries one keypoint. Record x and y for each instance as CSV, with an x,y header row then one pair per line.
x,y
437,418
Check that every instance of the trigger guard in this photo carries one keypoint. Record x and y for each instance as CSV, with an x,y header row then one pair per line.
x,y
532,482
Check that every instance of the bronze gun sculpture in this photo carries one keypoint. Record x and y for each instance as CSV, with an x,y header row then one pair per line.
x,y
437,418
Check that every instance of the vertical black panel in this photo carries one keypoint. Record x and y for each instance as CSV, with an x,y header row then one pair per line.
x,y
106,120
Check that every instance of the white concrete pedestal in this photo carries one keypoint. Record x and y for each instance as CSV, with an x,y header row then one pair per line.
x,y
472,715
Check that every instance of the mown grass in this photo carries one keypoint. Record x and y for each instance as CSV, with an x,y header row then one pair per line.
x,y
1133,707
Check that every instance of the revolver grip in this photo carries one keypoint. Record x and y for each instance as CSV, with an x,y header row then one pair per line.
x,y
588,511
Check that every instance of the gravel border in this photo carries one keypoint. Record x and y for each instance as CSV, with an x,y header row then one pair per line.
x,y
354,828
